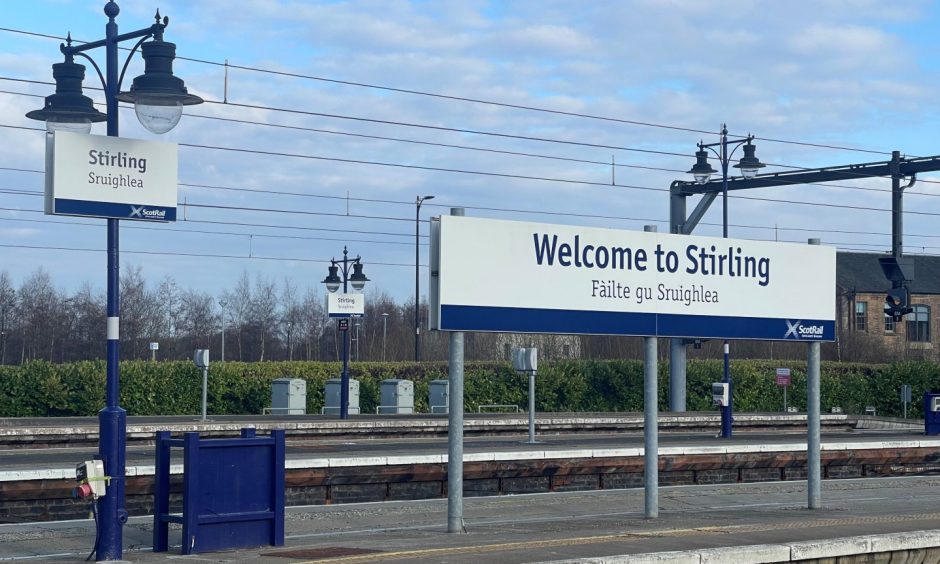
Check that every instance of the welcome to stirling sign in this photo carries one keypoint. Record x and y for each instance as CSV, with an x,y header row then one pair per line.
x,y
110,177
505,276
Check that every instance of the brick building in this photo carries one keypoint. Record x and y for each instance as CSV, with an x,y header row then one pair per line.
x,y
861,287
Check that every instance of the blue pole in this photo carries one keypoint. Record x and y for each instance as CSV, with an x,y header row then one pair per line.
x,y
344,380
112,420
726,411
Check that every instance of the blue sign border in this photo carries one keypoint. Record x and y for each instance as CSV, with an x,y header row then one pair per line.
x,y
112,210
533,320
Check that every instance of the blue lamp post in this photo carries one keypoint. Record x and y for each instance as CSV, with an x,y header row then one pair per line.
x,y
358,281
158,99
702,171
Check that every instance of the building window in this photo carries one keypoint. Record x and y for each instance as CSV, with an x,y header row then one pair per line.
x,y
861,316
889,324
918,324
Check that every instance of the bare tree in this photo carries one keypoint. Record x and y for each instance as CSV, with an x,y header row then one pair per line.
x,y
313,322
166,319
238,303
7,306
196,318
37,304
88,335
291,316
263,312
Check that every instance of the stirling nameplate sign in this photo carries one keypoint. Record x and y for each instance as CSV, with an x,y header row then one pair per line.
x,y
508,276
110,177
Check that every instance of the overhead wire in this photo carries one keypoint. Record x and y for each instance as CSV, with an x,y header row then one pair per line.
x,y
464,147
468,99
189,254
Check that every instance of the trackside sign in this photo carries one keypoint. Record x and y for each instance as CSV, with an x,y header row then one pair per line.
x,y
506,276
110,177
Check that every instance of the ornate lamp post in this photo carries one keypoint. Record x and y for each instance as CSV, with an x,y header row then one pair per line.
x,y
358,281
418,201
702,171
158,99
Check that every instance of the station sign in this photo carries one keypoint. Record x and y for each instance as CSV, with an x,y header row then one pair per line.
x,y
345,305
110,177
507,276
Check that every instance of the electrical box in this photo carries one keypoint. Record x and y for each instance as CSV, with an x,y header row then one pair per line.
x,y
91,479
439,396
935,404
397,397
201,358
525,359
332,391
289,396
720,394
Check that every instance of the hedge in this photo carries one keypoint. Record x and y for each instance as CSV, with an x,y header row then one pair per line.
x,y
43,389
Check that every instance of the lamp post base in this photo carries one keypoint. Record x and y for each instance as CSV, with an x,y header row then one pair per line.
x,y
112,424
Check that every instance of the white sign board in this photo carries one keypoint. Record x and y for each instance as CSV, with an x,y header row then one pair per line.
x,y
506,276
345,305
111,177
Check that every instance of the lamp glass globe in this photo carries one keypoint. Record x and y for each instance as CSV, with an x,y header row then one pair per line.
x,y
73,126
158,116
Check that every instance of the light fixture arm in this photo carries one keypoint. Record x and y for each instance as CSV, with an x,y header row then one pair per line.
x,y
144,34
128,60
93,63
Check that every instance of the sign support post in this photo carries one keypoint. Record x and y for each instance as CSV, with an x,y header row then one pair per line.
x,y
650,422
813,446
455,522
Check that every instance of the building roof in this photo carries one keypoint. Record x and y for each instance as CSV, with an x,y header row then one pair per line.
x,y
861,272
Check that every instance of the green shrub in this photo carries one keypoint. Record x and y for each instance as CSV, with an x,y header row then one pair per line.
x,y
43,389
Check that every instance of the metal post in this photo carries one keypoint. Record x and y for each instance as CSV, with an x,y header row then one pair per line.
x,y
897,206
650,423
677,381
677,346
222,305
727,410
813,447
384,333
112,420
357,340
455,522
532,407
344,377
205,387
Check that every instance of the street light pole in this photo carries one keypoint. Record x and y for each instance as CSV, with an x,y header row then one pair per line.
x,y
384,333
158,98
332,281
418,201
222,304
749,165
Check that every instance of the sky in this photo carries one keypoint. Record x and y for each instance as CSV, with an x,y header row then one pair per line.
x,y
336,115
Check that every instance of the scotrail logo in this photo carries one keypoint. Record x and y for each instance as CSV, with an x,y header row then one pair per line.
x,y
797,330
143,213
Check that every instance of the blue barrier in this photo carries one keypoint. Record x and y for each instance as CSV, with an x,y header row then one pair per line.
x,y
932,413
233,492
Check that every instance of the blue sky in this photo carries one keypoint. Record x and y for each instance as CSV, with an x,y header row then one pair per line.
x,y
848,73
